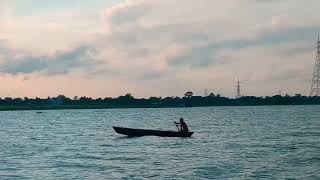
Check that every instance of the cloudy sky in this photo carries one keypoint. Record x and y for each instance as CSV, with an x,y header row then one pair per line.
x,y
102,48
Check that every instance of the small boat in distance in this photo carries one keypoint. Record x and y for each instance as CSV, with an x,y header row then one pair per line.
x,y
144,132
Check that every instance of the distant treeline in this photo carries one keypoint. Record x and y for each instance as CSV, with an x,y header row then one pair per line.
x,y
128,101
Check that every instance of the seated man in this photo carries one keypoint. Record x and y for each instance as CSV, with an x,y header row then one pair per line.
x,y
183,126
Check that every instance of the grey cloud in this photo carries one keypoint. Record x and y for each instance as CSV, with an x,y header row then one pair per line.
x,y
293,51
120,15
196,57
77,58
141,42
59,64
203,56
24,66
270,1
297,34
153,75
125,17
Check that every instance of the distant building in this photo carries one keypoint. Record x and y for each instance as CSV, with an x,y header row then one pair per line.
x,y
56,101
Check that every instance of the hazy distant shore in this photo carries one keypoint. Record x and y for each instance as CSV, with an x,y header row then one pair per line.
x,y
128,101
65,107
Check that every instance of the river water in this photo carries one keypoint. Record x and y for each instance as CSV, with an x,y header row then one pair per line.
x,y
266,142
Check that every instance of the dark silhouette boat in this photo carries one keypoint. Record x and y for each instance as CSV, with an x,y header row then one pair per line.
x,y
144,132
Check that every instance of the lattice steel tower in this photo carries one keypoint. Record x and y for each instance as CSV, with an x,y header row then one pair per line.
x,y
315,84
238,89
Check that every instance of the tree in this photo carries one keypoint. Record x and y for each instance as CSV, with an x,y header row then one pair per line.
x,y
188,94
129,95
127,99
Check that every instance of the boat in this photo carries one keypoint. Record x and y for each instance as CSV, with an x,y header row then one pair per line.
x,y
144,132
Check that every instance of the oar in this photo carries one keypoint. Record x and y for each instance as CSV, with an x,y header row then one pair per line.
x,y
177,126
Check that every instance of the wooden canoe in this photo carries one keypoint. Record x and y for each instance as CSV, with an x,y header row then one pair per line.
x,y
144,132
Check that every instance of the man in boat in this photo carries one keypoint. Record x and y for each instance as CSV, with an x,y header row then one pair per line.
x,y
183,126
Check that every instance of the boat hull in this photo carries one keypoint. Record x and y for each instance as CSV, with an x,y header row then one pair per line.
x,y
143,132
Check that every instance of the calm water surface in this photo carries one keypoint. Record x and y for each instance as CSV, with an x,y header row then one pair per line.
x,y
269,142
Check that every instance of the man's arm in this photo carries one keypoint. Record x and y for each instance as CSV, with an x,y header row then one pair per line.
x,y
177,125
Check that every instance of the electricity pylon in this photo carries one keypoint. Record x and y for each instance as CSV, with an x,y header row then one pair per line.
x,y
315,84
238,89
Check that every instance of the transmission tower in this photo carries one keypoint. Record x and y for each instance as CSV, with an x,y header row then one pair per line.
x,y
238,89
315,84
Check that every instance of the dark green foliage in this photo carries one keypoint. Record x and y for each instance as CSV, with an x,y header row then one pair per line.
x,y
128,101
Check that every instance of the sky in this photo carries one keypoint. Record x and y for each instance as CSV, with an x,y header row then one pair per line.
x,y
102,48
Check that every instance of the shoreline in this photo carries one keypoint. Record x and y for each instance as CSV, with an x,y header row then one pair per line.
x,y
68,107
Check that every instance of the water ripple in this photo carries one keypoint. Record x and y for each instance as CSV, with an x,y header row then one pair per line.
x,y
271,142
